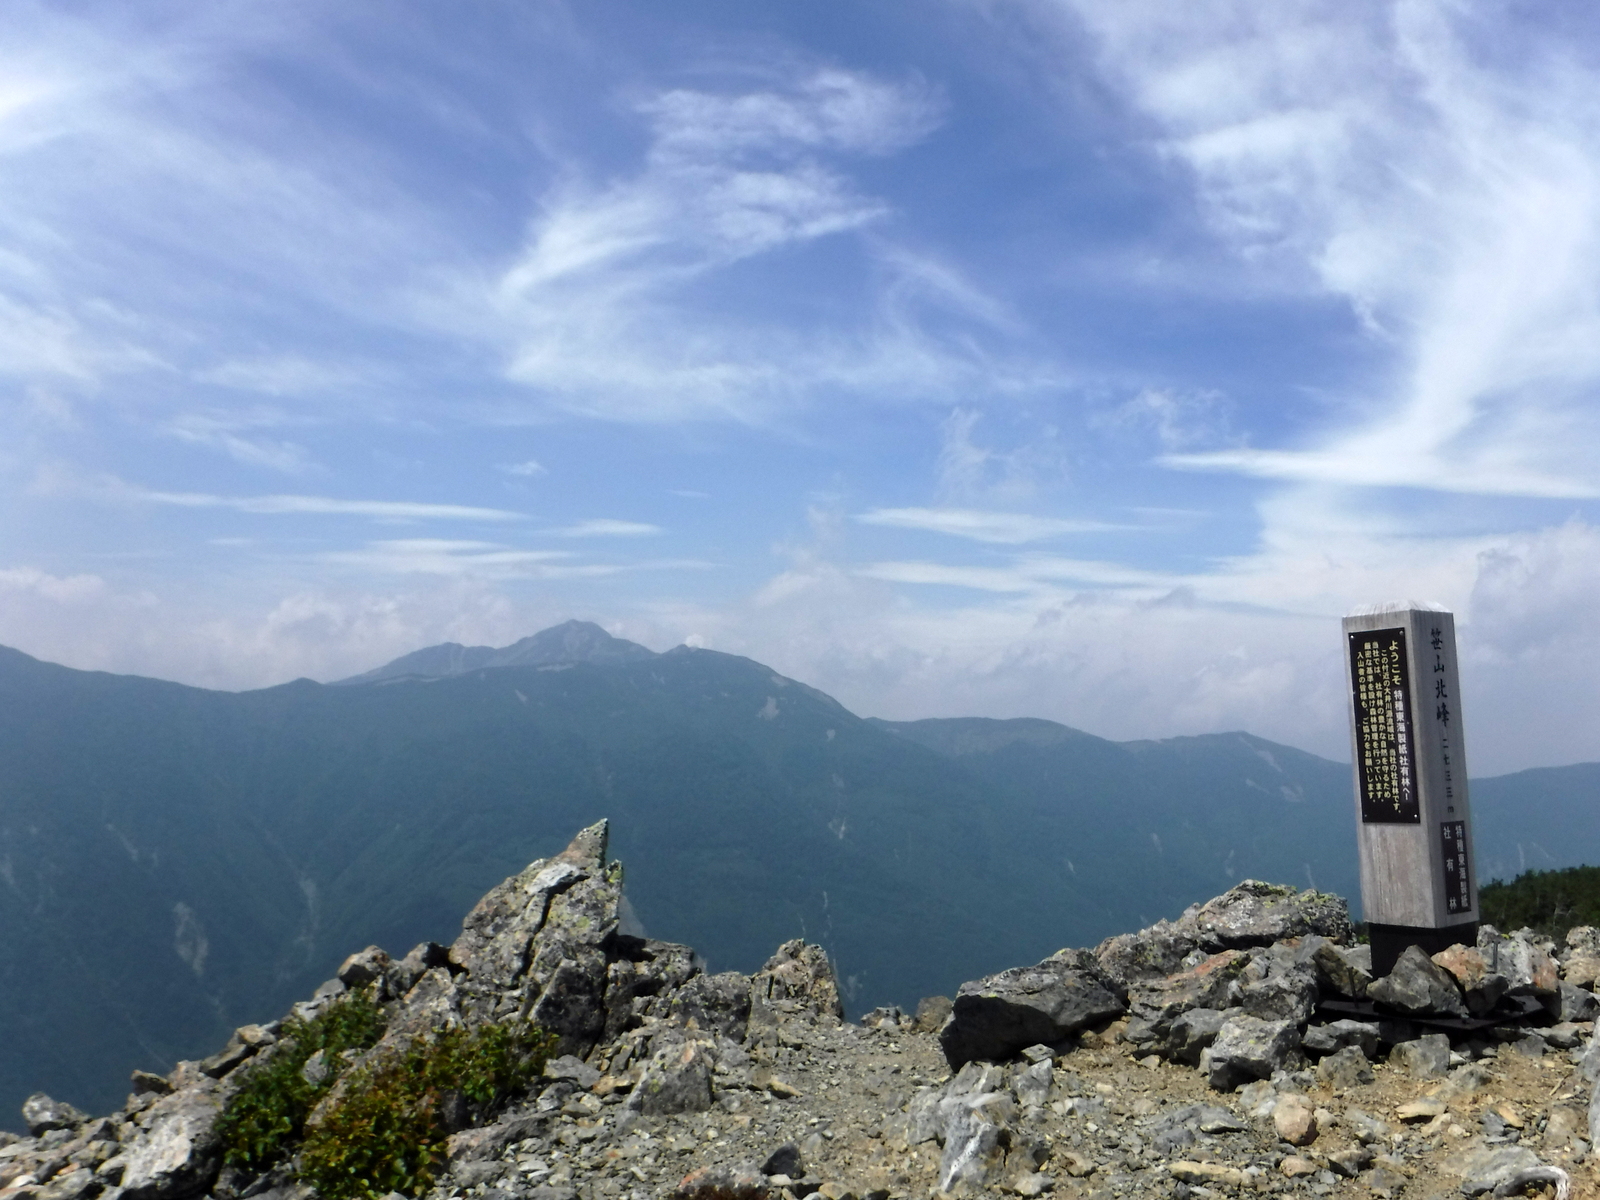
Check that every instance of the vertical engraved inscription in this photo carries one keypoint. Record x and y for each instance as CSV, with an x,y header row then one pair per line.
x,y
1385,762
1457,881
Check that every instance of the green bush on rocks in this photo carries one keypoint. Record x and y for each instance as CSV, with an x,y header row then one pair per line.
x,y
387,1132
269,1110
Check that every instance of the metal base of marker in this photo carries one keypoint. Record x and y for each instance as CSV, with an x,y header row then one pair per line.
x,y
1389,942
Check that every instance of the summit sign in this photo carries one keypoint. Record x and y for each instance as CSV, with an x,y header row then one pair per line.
x,y
1414,824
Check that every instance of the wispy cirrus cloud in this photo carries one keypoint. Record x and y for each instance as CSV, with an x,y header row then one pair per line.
x,y
528,468
241,436
606,527
383,510
1002,528
1448,192
463,558
609,309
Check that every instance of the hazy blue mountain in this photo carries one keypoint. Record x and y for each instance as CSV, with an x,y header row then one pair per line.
x,y
177,861
569,642
1537,820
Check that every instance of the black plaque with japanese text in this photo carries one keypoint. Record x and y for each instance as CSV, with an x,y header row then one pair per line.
x,y
1385,760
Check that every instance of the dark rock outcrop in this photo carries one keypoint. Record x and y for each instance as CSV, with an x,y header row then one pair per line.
x,y
993,1018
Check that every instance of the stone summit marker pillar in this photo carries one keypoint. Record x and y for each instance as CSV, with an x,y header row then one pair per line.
x,y
1413,822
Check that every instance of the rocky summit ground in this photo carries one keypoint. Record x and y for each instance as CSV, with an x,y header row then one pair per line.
x,y
1244,1048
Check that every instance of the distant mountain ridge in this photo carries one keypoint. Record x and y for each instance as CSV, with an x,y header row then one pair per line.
x,y
175,862
569,642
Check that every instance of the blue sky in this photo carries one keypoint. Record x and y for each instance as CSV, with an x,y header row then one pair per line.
x,y
1079,360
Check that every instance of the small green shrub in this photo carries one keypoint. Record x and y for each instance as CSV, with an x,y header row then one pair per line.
x,y
386,1134
269,1110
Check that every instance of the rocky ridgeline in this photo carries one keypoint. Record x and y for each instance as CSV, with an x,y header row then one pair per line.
x,y
1204,1056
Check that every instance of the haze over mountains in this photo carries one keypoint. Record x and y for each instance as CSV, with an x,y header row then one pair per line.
x,y
178,861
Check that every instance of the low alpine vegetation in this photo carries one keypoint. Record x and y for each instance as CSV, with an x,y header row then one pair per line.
x,y
387,1132
268,1112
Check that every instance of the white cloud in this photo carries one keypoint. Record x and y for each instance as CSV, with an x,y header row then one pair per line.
x,y
605,527
233,434
388,510
452,557
1036,461
61,589
611,311
526,469
1449,194
1004,528
1178,419
284,375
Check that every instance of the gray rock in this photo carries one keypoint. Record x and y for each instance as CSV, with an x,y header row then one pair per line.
x,y
1366,1127
1576,1004
1482,987
800,972
932,1013
642,980
177,1151
1350,1161
149,1083
717,1003
974,1149
1191,1033
423,958
1291,996
1259,914
922,1116
1248,1048
1214,1119
1213,983
317,1068
1531,1046
1344,1069
1527,966
1594,1117
497,935
995,1017
1418,985
1340,969
1564,1036
1176,1130
1032,1085
364,967
677,1079
976,1079
1326,1039
1428,1057
1148,955
478,1171
885,1016
71,1183
1589,1065
42,1114
488,1141
1483,1168
573,1068
785,1160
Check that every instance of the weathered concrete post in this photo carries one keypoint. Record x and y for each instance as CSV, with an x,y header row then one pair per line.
x,y
1413,821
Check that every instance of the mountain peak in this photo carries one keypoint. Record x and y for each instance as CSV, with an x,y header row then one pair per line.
x,y
569,642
